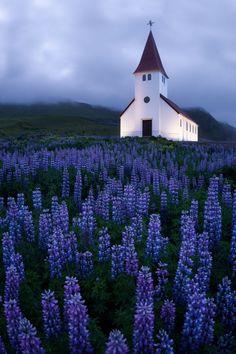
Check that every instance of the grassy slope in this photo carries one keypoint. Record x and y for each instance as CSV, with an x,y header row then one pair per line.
x,y
83,119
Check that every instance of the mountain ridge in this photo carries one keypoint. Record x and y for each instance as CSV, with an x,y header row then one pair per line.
x,y
71,117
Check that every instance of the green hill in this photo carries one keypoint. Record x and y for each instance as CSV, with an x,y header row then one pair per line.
x,y
69,118
209,127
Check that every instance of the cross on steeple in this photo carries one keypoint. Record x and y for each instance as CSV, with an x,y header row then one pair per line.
x,y
150,23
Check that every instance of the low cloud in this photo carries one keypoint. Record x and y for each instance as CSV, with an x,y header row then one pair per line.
x,y
54,50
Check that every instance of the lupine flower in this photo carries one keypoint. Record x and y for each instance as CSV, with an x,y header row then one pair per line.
x,y
12,285
8,249
165,345
56,253
226,304
168,311
84,264
162,279
155,242
2,347
116,343
65,184
163,202
129,199
71,288
144,289
137,226
143,329
232,256
225,344
13,316
17,262
51,314
45,228
202,276
117,260
78,188
29,226
185,263
29,343
37,198
78,326
193,212
199,322
104,246
131,257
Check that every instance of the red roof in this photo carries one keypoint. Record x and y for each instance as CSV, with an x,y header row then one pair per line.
x,y
176,108
150,60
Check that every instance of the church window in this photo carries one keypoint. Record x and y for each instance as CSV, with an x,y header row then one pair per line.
x,y
180,122
146,99
186,125
190,128
144,77
163,79
149,77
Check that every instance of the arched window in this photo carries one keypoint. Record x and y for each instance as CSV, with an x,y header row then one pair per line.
x,y
144,77
186,125
149,77
180,122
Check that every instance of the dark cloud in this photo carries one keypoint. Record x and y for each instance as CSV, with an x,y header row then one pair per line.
x,y
87,50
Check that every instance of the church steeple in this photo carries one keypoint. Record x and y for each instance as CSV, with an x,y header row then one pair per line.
x,y
150,60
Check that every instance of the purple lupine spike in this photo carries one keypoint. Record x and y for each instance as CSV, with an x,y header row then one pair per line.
x,y
137,225
199,322
117,260
193,212
84,264
116,343
8,249
232,256
37,198
13,316
71,288
104,246
64,217
162,279
168,311
213,214
56,253
118,214
226,304
45,228
234,210
225,344
12,284
51,314
17,262
131,257
143,329
78,325
173,189
20,200
156,182
202,277
2,346
163,202
78,188
87,222
65,184
145,289
165,344
227,196
29,343
129,199
156,243
71,246
143,201
186,255
29,226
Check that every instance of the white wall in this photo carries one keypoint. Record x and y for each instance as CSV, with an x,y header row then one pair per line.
x,y
170,127
129,125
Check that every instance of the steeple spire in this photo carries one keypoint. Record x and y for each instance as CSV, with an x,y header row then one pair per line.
x,y
150,60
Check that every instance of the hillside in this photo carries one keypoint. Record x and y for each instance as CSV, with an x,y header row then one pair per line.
x,y
209,127
84,119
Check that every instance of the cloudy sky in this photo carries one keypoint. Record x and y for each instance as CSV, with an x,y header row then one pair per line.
x,y
86,50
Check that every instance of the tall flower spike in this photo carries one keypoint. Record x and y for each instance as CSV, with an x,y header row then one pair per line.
x,y
78,326
29,343
143,329
51,314
116,343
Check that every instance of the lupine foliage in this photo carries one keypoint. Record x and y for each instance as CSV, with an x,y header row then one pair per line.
x,y
117,246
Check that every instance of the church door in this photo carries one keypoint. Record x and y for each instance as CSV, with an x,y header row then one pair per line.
x,y
147,127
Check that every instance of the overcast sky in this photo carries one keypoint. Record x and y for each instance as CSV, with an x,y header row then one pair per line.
x,y
86,50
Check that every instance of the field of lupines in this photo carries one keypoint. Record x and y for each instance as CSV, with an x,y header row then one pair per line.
x,y
117,247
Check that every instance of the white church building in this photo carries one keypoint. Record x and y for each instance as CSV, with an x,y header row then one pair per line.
x,y
151,113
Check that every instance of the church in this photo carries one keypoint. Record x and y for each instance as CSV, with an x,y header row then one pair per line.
x,y
151,112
